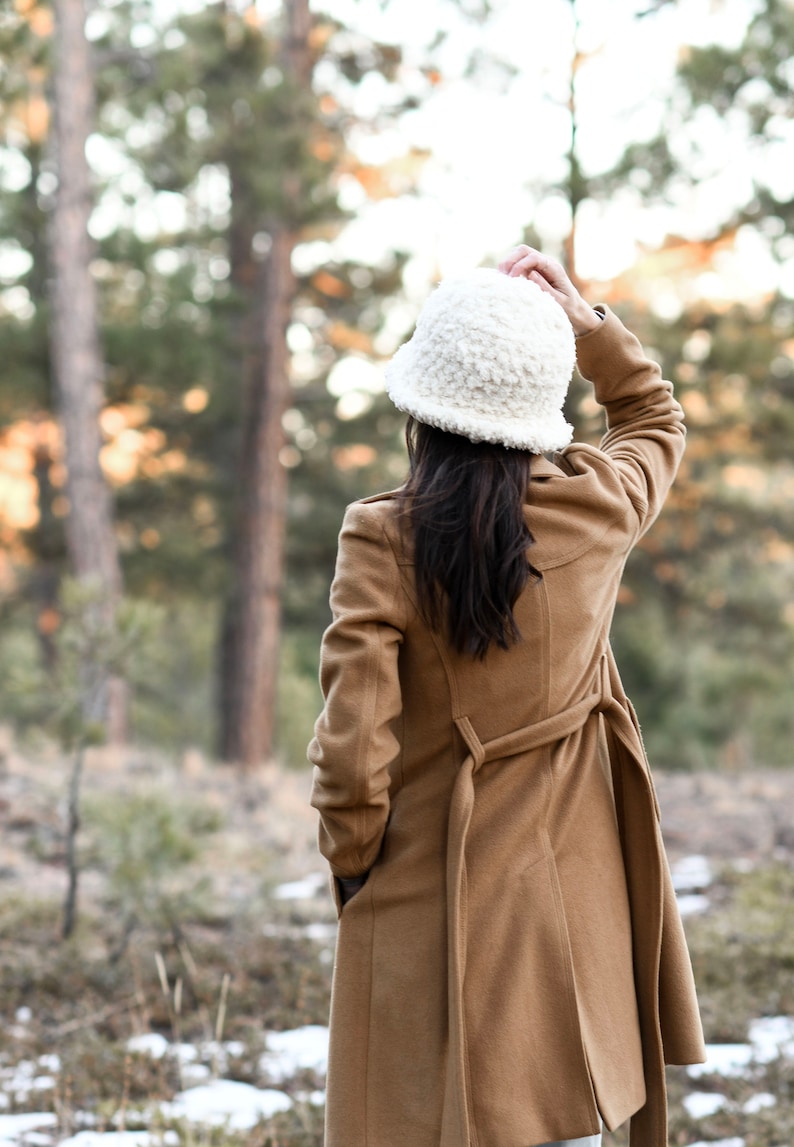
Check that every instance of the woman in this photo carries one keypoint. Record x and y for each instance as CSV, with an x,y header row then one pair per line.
x,y
511,968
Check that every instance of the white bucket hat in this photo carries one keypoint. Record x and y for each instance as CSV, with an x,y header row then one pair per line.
x,y
491,359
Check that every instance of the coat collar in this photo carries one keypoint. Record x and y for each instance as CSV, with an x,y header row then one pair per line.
x,y
542,467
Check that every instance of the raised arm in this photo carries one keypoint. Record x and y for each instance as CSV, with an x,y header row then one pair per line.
x,y
645,425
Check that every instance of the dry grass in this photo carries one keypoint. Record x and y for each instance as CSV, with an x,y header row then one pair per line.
x,y
160,936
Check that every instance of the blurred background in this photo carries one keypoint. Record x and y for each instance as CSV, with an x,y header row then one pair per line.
x,y
269,195
217,222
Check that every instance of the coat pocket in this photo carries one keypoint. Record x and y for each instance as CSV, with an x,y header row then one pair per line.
x,y
344,889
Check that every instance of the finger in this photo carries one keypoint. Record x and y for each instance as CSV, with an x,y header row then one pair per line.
x,y
514,254
510,260
533,261
544,284
554,274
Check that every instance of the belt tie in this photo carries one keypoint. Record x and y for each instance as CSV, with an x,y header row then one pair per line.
x,y
456,1124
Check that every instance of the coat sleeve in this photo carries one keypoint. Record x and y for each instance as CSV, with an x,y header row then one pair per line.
x,y
355,740
645,425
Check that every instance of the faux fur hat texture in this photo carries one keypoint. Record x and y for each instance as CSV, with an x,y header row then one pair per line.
x,y
491,359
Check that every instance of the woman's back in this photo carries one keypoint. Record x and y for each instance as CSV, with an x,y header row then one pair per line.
x,y
502,810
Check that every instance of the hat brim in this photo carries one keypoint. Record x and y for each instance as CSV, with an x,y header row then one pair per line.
x,y
538,435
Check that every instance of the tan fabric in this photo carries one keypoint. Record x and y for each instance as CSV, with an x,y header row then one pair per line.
x,y
514,968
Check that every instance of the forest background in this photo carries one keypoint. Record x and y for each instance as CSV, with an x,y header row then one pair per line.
x,y
193,327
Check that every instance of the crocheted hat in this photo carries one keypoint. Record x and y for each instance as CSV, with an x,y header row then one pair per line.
x,y
491,359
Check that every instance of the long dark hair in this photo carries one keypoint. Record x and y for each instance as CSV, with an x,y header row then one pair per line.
x,y
464,502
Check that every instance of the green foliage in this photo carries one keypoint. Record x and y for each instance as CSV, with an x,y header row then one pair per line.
x,y
755,77
704,633
90,643
144,845
166,656
743,952
745,89
302,1126
345,461
172,690
200,119
169,667
299,698
205,133
648,166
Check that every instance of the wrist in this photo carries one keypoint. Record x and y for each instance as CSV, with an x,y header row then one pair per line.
x,y
585,321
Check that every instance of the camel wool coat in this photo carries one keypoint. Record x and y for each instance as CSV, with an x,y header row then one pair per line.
x,y
514,969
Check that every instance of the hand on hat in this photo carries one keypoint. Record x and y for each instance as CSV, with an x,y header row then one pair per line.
x,y
525,262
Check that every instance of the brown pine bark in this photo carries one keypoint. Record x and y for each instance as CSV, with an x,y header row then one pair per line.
x,y
252,665
250,645
577,186
576,190
76,355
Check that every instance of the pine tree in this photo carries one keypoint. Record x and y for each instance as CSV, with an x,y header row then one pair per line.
x,y
77,359
706,628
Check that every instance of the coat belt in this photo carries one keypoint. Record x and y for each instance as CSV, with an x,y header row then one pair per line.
x,y
456,1125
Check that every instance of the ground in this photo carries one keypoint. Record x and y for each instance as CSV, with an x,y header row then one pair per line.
x,y
190,1002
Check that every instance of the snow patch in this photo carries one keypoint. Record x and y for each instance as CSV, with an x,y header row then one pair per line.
x,y
769,1037
692,904
729,1059
772,1036
305,889
719,1143
30,1075
301,1049
758,1102
118,1139
12,1126
192,1074
227,1102
150,1043
691,874
314,1098
320,932
188,1055
700,1104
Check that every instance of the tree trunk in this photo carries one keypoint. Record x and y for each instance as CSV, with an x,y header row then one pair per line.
x,y
576,191
250,643
252,665
48,550
77,362
577,185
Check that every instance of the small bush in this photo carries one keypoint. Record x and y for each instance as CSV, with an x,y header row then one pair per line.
x,y
144,845
743,954
299,698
